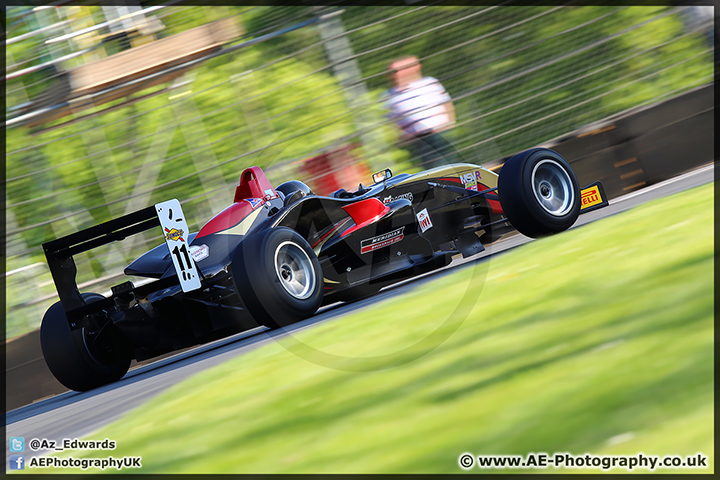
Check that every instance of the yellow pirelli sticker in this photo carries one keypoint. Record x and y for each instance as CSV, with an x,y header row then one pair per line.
x,y
590,196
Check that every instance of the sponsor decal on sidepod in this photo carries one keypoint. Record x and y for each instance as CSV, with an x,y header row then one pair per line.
x,y
388,199
384,240
424,220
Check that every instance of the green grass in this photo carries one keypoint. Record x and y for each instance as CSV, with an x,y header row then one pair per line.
x,y
562,345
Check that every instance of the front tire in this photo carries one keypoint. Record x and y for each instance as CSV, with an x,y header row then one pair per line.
x,y
539,193
69,357
278,276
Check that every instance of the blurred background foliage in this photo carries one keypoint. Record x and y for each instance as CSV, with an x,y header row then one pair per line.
x,y
519,76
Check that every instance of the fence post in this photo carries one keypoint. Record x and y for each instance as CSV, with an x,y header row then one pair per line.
x,y
339,52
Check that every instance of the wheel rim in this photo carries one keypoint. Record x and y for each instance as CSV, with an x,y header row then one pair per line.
x,y
553,188
294,270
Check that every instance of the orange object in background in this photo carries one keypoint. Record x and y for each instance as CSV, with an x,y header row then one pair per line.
x,y
336,169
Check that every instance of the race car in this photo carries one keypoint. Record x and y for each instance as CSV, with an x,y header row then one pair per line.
x,y
276,254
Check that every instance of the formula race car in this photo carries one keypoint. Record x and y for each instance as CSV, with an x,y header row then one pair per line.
x,y
275,255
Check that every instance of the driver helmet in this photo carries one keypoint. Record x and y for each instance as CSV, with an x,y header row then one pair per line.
x,y
290,187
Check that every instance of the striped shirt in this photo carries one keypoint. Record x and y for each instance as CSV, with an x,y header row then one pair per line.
x,y
418,108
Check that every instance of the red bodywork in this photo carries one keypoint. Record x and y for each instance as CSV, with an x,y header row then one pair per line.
x,y
252,191
364,213
254,184
228,218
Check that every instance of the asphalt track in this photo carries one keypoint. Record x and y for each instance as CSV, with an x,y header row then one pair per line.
x,y
75,415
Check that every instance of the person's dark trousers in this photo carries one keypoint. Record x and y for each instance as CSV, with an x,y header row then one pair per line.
x,y
433,150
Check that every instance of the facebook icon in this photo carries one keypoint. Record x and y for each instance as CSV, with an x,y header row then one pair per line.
x,y
17,462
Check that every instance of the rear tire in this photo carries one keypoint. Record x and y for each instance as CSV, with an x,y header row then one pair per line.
x,y
278,276
539,193
68,357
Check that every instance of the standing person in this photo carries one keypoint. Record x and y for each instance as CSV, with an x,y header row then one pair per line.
x,y
422,109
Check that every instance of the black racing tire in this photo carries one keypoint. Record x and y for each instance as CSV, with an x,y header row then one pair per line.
x,y
539,193
68,358
278,276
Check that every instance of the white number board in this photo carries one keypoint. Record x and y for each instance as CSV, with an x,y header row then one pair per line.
x,y
175,230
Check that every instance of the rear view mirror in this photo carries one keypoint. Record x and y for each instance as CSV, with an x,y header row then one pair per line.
x,y
382,176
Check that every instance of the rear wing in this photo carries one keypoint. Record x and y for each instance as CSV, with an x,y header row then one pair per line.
x,y
60,252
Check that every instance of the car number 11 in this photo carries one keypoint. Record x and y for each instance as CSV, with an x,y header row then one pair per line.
x,y
175,231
